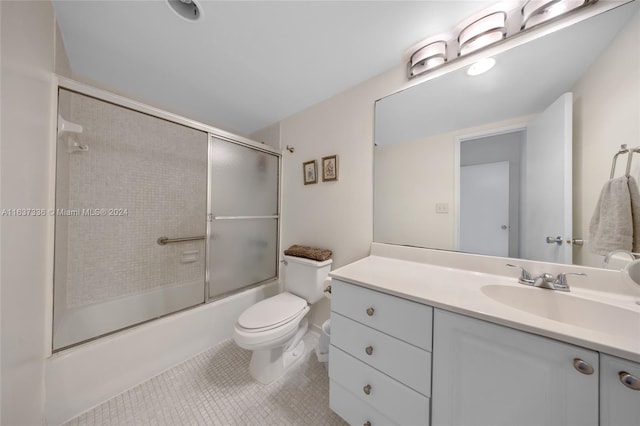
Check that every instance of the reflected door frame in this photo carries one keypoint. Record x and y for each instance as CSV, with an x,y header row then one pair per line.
x,y
495,131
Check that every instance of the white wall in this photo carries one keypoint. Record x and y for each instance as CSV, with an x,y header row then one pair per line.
x,y
412,178
606,114
28,60
335,215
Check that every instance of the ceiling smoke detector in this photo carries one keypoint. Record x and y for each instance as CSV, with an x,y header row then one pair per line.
x,y
187,9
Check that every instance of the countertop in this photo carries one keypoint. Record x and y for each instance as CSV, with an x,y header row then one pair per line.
x,y
468,293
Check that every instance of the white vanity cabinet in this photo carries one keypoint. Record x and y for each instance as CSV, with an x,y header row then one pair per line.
x,y
487,374
380,357
619,392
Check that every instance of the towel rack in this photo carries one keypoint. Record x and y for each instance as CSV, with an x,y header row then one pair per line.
x,y
623,150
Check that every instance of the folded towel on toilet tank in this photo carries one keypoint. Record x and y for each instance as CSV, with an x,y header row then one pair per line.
x,y
308,252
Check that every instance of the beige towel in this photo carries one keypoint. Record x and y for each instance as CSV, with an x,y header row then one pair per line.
x,y
308,252
611,225
634,193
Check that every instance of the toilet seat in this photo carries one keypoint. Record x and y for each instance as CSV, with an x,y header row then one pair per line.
x,y
271,322
271,313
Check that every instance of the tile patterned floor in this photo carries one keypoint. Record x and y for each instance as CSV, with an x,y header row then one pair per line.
x,y
215,388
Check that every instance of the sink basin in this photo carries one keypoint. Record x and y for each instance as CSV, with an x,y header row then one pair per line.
x,y
632,272
566,308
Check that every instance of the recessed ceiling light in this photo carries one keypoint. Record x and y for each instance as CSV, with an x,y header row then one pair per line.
x,y
482,66
187,9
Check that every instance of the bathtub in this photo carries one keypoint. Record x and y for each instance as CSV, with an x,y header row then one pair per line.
x,y
95,320
81,377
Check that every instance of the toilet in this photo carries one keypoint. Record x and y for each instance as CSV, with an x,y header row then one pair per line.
x,y
273,328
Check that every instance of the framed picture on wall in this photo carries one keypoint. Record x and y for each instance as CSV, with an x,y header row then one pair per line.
x,y
309,169
330,168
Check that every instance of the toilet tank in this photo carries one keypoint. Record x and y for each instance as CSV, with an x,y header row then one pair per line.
x,y
305,277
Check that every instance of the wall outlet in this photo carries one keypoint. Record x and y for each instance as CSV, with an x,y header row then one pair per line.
x,y
442,208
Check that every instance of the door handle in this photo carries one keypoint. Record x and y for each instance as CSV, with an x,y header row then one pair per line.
x,y
557,240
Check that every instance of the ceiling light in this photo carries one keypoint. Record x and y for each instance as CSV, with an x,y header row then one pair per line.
x,y
484,29
482,66
428,57
535,12
482,32
187,9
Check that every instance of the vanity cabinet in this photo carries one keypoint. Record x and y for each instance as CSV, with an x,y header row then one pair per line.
x,y
486,374
619,392
380,357
396,361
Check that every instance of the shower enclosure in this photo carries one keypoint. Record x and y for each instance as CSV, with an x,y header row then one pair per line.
x,y
153,215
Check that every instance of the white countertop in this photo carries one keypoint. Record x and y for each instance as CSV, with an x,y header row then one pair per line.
x,y
466,292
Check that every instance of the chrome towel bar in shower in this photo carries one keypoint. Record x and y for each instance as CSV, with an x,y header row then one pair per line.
x,y
165,240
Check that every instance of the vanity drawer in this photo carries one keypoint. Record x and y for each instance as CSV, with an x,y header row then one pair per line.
x,y
401,318
406,363
399,403
352,409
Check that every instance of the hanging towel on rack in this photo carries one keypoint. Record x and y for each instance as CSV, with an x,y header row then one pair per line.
x,y
611,224
634,195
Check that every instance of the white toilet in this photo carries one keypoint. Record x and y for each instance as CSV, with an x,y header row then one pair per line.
x,y
273,328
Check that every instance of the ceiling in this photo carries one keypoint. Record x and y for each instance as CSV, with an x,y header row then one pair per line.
x,y
245,64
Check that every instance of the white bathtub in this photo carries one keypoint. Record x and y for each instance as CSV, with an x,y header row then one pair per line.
x,y
84,376
86,322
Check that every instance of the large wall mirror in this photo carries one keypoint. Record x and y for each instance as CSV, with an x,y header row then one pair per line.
x,y
511,162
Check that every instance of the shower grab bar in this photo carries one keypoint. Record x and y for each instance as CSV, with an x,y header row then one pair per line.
x,y
274,216
165,240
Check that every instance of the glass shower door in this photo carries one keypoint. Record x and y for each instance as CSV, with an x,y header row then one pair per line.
x,y
124,180
243,245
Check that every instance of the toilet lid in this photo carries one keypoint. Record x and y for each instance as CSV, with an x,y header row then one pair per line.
x,y
272,312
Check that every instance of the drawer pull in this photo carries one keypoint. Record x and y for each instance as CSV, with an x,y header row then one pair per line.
x,y
632,382
582,366
367,389
369,350
367,423
370,311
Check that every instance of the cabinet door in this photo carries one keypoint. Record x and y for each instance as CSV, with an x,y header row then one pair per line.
x,y
619,404
486,374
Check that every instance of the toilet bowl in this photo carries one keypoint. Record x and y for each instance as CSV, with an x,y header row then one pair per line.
x,y
273,330
274,327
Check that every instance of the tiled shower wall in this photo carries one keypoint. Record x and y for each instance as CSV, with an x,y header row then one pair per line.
x,y
146,178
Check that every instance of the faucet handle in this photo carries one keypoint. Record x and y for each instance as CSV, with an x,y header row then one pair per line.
x,y
525,276
561,280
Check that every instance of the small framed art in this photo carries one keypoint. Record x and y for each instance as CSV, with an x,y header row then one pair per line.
x,y
330,168
309,169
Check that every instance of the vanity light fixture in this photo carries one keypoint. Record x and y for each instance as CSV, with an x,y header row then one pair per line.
x,y
482,32
428,57
492,26
480,67
535,12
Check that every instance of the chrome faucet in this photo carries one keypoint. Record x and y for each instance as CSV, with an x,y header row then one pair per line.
x,y
545,280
